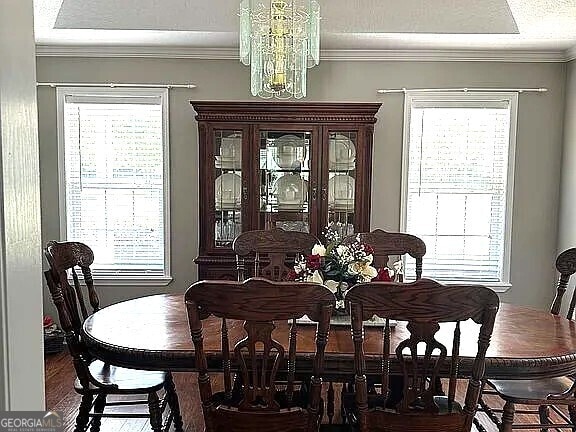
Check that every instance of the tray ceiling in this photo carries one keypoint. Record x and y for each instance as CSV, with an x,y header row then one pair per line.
x,y
346,24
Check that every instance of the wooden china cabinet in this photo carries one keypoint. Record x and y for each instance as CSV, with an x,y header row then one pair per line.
x,y
291,165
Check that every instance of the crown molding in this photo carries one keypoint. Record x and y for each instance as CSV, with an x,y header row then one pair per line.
x,y
480,55
500,55
113,51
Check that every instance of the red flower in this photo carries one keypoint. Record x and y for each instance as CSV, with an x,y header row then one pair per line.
x,y
383,275
313,262
368,249
291,275
48,321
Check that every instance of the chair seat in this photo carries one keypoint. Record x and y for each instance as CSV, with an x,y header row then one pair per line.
x,y
530,391
376,401
290,416
128,380
440,401
299,399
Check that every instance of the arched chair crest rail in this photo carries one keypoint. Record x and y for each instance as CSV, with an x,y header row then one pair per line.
x,y
273,251
426,305
255,401
387,244
95,379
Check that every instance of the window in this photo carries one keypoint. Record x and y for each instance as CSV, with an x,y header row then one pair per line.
x,y
113,163
458,167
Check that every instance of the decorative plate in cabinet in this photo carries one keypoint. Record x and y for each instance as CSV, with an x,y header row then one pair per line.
x,y
341,153
227,191
292,192
341,193
290,151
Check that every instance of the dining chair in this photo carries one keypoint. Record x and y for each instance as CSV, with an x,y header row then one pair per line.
x,y
97,380
387,244
256,402
426,306
545,393
273,250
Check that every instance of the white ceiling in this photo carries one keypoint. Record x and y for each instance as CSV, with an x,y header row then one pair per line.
x,y
538,26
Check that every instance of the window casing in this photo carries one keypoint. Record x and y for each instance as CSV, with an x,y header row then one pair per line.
x,y
457,183
114,180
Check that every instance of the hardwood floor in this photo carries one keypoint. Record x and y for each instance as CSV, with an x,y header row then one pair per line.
x,y
60,396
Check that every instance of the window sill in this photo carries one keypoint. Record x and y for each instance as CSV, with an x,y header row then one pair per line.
x,y
131,280
498,287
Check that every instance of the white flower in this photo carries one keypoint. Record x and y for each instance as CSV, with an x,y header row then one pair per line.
x,y
363,269
319,249
316,277
299,268
369,276
344,255
340,304
332,285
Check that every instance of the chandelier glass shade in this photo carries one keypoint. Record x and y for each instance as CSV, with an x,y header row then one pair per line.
x,y
279,39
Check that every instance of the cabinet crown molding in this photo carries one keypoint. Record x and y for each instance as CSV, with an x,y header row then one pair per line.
x,y
305,112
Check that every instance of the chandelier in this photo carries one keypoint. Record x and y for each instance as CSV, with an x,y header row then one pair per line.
x,y
279,39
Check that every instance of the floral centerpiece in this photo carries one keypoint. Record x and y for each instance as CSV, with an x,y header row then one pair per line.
x,y
340,265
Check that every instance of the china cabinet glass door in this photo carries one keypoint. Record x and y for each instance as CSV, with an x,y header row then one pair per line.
x,y
339,189
286,179
228,186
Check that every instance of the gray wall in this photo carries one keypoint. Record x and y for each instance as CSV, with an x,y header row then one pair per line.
x,y
538,153
567,217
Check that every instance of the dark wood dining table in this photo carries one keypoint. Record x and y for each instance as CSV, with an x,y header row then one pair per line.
x,y
152,333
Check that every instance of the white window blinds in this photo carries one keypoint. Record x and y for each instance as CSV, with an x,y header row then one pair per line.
x,y
457,183
115,178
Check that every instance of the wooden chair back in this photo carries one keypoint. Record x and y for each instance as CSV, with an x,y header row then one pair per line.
x,y
566,266
64,257
387,244
279,248
258,356
69,300
424,304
